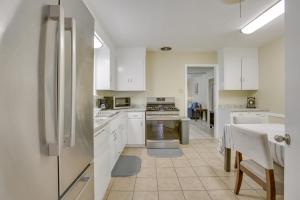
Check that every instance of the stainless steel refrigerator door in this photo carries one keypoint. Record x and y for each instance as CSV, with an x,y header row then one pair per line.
x,y
83,188
27,172
74,158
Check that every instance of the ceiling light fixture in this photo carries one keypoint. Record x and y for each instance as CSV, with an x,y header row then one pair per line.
x,y
97,41
266,17
166,48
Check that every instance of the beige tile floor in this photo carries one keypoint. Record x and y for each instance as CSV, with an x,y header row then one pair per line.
x,y
197,175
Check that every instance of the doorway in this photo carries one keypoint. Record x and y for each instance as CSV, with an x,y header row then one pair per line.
x,y
201,99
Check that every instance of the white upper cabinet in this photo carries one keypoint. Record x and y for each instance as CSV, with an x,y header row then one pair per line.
x,y
104,69
131,74
238,69
250,66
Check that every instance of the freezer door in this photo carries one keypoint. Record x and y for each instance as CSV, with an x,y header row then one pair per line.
x,y
83,188
27,172
78,151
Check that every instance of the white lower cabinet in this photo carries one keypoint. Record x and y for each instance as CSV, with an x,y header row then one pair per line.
x,y
123,129
102,168
112,150
110,141
117,135
136,129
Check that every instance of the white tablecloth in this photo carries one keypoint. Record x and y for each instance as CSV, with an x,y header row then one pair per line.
x,y
277,149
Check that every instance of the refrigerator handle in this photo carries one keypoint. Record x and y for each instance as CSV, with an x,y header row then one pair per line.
x,y
70,25
54,81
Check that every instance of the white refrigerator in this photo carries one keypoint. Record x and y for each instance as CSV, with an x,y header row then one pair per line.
x,y
46,100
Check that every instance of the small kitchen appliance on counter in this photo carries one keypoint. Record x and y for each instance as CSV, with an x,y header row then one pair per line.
x,y
109,102
118,102
251,102
102,103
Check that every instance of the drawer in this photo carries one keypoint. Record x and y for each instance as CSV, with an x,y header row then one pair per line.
x,y
135,115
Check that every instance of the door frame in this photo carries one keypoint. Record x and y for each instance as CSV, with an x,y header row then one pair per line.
x,y
216,91
209,92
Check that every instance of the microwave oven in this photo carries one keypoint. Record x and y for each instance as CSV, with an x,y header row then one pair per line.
x,y
118,102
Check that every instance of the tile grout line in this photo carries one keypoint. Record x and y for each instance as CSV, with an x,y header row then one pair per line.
x,y
134,186
213,165
156,179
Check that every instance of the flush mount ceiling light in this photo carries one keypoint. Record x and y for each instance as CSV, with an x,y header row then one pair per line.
x,y
97,41
266,17
166,48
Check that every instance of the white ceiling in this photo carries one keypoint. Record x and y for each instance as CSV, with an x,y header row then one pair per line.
x,y
185,25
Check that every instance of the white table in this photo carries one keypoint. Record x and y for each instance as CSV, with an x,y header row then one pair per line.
x,y
277,149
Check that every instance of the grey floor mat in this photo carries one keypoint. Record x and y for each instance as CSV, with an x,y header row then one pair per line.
x,y
126,166
165,153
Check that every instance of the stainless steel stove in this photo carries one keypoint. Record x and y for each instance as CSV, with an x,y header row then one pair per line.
x,y
163,123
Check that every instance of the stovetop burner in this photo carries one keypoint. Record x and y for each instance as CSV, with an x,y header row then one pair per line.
x,y
161,105
161,108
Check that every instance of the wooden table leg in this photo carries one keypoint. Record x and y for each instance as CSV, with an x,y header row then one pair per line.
x,y
235,163
227,159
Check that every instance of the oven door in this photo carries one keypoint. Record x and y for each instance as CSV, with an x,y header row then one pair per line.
x,y
163,131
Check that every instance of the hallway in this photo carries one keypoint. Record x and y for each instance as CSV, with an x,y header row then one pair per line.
x,y
200,130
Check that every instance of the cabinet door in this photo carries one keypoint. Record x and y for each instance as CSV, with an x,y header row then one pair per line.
x,y
118,143
136,132
112,150
250,69
131,69
103,76
123,130
112,71
232,69
102,167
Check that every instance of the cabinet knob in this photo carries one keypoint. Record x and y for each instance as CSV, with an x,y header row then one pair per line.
x,y
286,138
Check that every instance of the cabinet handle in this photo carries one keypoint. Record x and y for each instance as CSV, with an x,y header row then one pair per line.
x,y
141,123
70,25
54,84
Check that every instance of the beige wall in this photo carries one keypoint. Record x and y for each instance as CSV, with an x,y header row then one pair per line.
x,y
234,97
166,73
271,94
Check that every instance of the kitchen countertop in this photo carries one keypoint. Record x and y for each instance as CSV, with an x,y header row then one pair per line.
x,y
99,122
131,109
248,110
